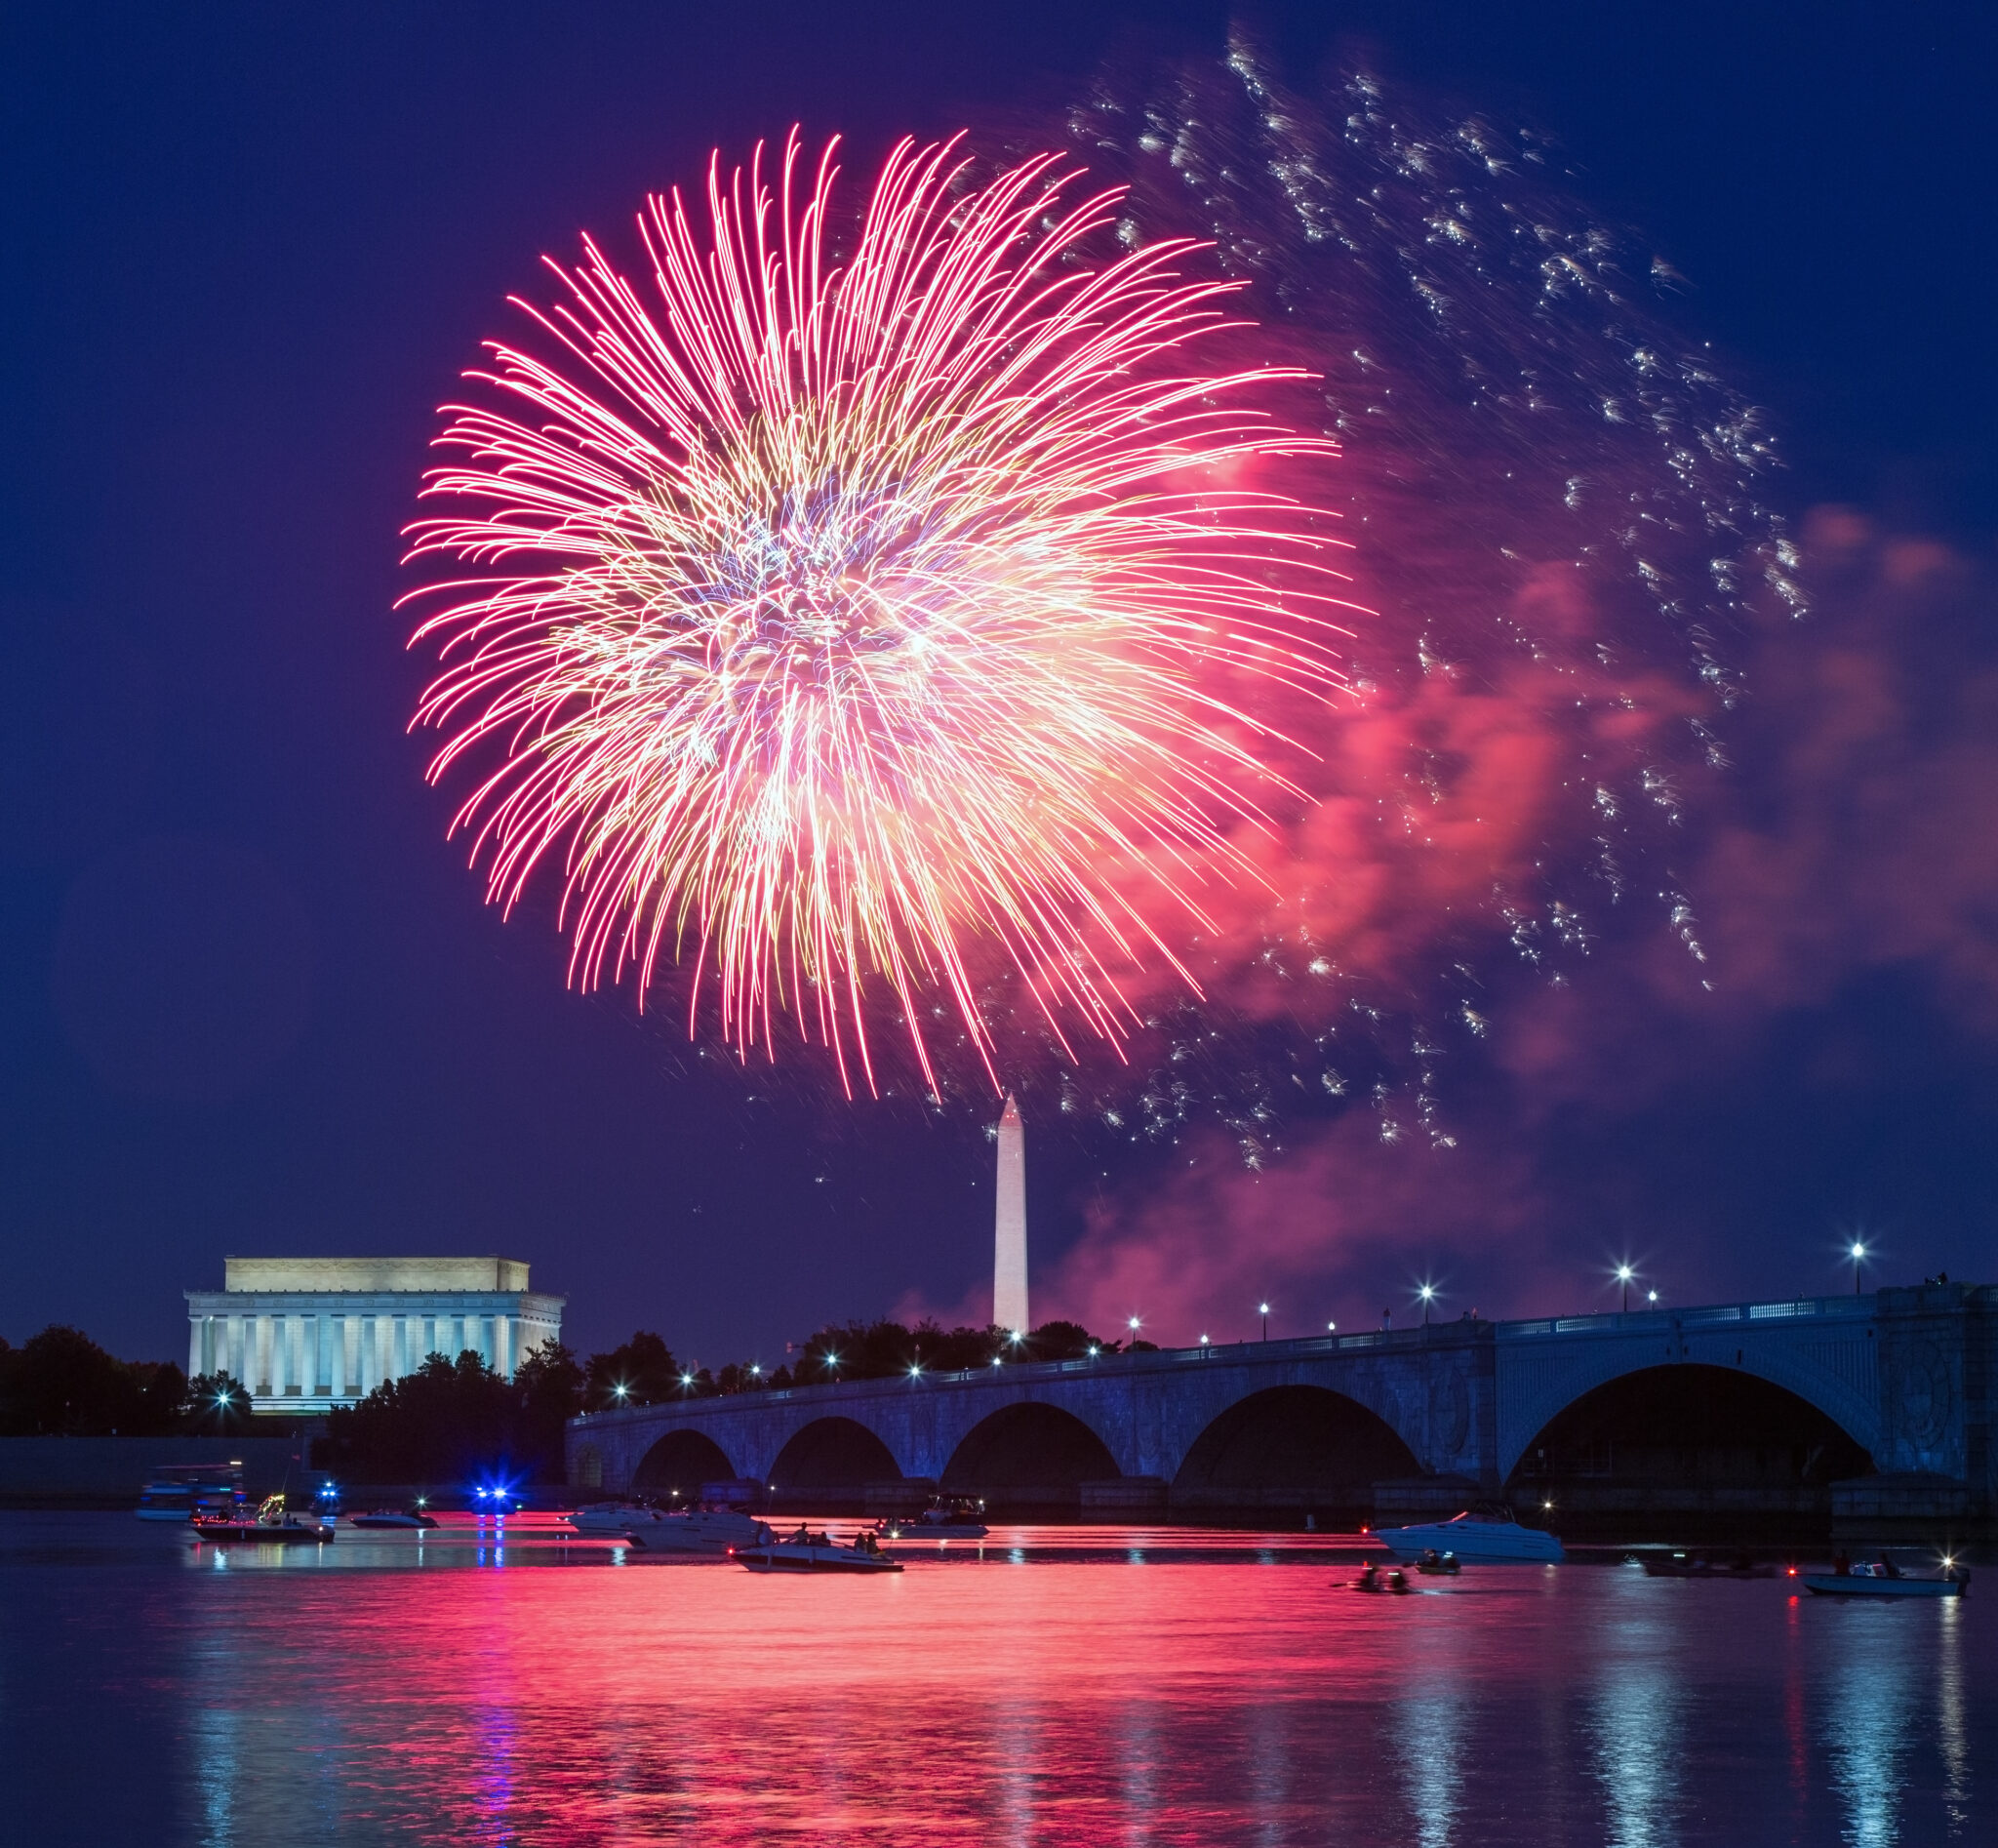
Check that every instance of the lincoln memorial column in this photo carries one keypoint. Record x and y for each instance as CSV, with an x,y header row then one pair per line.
x,y
260,1365
194,1366
351,1342
502,1345
232,1347
337,1327
302,1360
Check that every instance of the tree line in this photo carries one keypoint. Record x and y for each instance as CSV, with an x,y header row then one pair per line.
x,y
453,1420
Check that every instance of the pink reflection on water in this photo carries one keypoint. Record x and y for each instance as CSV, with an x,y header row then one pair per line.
x,y
1162,1688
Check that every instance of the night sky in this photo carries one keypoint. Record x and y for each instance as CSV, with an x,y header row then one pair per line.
x,y
252,1001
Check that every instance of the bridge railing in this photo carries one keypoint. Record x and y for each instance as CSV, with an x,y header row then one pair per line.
x,y
1714,1314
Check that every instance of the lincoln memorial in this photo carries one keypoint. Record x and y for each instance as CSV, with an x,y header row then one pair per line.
x,y
307,1334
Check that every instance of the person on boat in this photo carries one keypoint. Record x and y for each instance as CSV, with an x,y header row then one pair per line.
x,y
1887,1568
1841,1564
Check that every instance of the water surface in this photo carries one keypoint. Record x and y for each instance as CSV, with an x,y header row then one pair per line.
x,y
1053,1686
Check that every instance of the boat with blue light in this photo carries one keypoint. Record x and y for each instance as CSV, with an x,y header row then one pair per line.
x,y
1483,1536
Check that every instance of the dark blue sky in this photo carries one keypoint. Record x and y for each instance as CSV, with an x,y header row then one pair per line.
x,y
248,999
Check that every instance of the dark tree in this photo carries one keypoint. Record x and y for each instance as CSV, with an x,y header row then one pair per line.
x,y
548,1385
215,1402
60,1383
640,1371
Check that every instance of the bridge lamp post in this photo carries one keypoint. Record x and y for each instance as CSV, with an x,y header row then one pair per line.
x,y
1262,1310
1135,1325
1858,1257
1332,1328
1427,1293
1623,1276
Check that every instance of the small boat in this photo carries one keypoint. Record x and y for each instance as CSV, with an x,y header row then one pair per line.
x,y
1485,1536
1886,1580
271,1527
1434,1563
805,1551
701,1530
178,1492
1681,1565
1373,1578
393,1517
945,1519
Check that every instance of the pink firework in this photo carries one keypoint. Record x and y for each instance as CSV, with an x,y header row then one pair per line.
x,y
862,627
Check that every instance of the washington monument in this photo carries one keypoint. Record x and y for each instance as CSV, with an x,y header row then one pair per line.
x,y
1008,1227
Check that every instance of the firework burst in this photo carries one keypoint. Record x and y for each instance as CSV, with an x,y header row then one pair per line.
x,y
851,624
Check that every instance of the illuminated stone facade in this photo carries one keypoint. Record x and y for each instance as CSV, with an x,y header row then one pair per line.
x,y
307,1334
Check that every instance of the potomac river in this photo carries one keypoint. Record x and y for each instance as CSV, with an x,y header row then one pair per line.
x,y
508,1684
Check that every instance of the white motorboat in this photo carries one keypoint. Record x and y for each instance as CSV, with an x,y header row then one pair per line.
x,y
616,1519
1480,1537
702,1530
805,1551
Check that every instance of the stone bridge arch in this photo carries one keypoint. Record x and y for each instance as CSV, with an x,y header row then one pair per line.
x,y
1542,1369
832,1453
1028,1453
679,1461
1296,1445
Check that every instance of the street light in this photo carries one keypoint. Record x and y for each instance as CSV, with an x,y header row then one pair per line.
x,y
1332,1328
1136,1325
1428,1292
1623,1276
1262,1310
1651,1296
1203,1340
1859,1255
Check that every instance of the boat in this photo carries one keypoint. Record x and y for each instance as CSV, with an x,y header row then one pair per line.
x,y
393,1517
1681,1565
953,1517
1485,1536
615,1519
701,1530
271,1526
1373,1578
1886,1580
178,1492
806,1552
